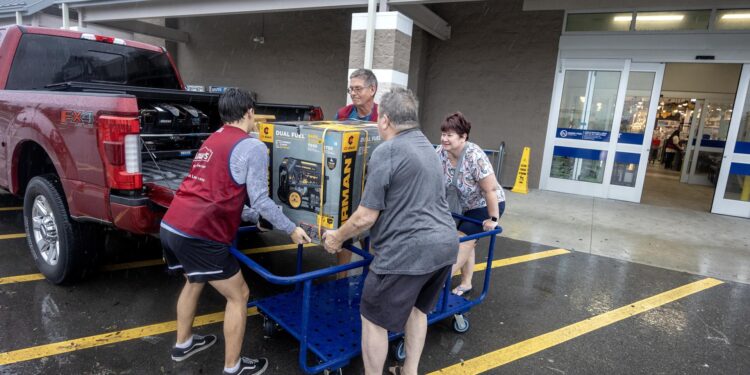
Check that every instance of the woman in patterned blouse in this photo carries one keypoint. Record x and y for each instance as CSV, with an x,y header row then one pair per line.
x,y
481,196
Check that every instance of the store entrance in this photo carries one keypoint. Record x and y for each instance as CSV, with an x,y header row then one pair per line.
x,y
690,133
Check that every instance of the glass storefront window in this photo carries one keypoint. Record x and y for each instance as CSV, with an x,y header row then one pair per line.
x,y
598,22
625,169
573,99
588,103
736,19
579,164
578,169
672,21
603,100
744,131
637,100
738,183
624,174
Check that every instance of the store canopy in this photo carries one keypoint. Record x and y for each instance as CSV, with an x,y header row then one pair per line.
x,y
127,13
8,8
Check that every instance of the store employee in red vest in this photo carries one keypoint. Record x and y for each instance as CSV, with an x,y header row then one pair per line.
x,y
362,88
197,230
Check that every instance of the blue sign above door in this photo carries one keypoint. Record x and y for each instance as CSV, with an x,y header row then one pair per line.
x,y
584,135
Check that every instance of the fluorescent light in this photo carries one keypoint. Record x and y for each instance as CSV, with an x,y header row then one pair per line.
x,y
736,16
664,17
623,18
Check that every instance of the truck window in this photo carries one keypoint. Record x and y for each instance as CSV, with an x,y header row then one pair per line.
x,y
80,60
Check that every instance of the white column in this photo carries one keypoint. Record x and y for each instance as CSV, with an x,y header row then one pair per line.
x,y
65,16
80,18
370,34
19,18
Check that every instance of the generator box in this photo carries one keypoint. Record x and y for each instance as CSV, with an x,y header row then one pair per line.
x,y
317,170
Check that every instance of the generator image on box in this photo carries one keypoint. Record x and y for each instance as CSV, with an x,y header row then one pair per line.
x,y
300,184
317,170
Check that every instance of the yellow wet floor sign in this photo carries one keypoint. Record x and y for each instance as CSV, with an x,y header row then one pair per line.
x,y
522,183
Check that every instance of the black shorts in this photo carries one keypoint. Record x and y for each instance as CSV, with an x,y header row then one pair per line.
x,y
387,300
468,228
200,260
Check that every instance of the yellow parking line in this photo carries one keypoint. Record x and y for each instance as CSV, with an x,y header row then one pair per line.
x,y
522,259
56,348
519,259
142,264
12,236
21,278
10,209
528,347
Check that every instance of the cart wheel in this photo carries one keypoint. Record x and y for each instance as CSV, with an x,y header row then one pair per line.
x,y
333,372
399,350
269,328
460,323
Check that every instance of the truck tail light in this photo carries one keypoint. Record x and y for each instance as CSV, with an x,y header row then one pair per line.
x,y
103,39
316,114
119,146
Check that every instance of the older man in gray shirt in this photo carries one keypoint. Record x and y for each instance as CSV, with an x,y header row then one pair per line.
x,y
413,236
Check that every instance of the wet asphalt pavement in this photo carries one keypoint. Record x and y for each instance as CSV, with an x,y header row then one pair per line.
x,y
704,333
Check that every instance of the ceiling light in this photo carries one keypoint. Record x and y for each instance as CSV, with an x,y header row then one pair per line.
x,y
736,16
623,18
663,17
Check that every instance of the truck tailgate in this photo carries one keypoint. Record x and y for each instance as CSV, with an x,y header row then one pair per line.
x,y
163,178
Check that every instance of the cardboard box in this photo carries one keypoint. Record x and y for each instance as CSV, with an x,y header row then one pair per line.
x,y
317,170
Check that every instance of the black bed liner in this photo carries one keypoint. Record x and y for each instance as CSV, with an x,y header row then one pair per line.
x,y
166,173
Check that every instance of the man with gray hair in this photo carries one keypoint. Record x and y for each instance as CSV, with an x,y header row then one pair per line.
x,y
362,88
413,236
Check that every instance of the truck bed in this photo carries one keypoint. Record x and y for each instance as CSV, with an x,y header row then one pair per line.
x,y
166,173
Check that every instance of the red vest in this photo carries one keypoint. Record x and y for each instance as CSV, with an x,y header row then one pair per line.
x,y
208,204
343,113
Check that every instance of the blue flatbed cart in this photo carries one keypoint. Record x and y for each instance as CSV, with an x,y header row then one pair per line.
x,y
325,317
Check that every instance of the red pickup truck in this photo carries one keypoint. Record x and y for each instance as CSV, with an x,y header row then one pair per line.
x,y
95,133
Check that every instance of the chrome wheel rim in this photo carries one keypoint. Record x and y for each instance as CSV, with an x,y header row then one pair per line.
x,y
44,229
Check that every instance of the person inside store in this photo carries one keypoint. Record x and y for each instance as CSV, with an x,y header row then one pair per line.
x,y
362,88
471,187
655,144
671,148
413,237
200,224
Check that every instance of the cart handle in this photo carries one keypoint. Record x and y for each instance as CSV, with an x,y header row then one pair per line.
x,y
287,280
472,237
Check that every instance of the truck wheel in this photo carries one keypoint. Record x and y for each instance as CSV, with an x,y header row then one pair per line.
x,y
62,249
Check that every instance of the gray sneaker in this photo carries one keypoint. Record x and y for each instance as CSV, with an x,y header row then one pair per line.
x,y
249,366
199,343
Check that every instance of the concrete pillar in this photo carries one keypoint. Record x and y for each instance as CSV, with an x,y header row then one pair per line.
x,y
65,16
392,49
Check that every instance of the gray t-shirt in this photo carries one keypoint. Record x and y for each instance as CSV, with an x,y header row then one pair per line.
x,y
415,233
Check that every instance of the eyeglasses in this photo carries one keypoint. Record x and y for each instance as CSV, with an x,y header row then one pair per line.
x,y
358,89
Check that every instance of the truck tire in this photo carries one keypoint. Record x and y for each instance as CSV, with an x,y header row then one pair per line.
x,y
64,251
